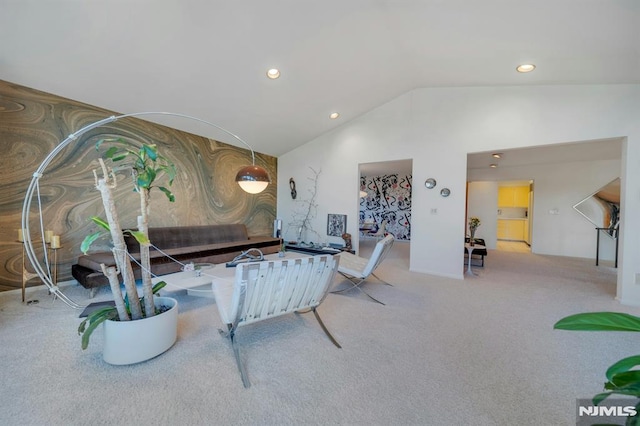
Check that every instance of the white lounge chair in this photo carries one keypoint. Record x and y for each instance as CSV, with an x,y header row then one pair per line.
x,y
381,232
263,290
357,269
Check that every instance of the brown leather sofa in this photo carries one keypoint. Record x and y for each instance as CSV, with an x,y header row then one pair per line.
x,y
198,244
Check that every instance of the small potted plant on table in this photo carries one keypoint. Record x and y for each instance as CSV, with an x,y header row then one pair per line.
x,y
474,222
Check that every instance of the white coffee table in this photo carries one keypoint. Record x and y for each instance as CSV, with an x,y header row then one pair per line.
x,y
200,284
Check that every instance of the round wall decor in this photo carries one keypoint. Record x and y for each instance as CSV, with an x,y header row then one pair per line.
x,y
430,183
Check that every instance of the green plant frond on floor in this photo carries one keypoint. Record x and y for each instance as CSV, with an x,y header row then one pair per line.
x,y
634,420
623,378
632,389
629,380
622,366
599,321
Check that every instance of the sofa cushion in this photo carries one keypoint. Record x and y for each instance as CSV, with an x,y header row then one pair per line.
x,y
94,260
189,236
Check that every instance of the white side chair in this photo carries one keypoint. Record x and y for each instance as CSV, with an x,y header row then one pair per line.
x,y
381,232
263,290
357,269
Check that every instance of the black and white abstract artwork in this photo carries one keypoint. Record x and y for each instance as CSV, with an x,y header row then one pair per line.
x,y
336,224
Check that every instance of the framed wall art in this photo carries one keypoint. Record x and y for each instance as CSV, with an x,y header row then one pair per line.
x,y
336,224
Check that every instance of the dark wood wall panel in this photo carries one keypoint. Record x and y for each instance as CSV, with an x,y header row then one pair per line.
x,y
33,123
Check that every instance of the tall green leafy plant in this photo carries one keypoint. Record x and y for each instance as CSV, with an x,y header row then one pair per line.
x,y
623,377
146,166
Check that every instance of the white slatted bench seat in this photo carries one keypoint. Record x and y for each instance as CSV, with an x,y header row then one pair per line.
x,y
264,290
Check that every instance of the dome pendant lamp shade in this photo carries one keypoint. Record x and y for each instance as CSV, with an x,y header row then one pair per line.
x,y
253,179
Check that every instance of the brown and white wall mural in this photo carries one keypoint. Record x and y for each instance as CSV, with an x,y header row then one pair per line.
x,y
388,199
33,123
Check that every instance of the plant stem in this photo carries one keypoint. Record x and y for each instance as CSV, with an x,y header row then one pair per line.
x,y
119,247
143,226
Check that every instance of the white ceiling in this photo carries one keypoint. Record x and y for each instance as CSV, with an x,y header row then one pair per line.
x,y
386,167
602,149
208,58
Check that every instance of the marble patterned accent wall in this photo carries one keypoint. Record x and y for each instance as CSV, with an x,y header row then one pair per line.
x,y
33,123
388,198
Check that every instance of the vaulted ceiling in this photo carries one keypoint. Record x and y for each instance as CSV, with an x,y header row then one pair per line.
x,y
209,59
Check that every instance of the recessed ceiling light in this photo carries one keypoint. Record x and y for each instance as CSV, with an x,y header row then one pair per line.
x,y
525,68
497,155
334,115
493,166
273,73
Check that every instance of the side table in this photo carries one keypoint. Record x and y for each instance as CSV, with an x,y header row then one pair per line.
x,y
470,249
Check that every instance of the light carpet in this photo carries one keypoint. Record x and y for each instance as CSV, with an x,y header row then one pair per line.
x,y
479,351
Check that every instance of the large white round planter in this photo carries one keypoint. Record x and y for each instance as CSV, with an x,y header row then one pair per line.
x,y
129,342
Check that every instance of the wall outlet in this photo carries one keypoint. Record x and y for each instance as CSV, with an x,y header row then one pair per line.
x,y
637,278
554,211
434,211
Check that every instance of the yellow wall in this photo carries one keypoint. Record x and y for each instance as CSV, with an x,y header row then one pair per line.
x,y
513,196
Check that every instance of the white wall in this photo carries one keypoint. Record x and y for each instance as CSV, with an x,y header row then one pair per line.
x,y
558,187
483,204
438,127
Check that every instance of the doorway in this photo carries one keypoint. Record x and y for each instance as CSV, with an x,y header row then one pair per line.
x,y
514,228
563,174
384,202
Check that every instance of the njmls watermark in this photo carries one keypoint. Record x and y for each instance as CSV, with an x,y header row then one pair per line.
x,y
611,411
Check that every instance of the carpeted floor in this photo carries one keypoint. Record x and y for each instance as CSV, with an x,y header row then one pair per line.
x,y
480,351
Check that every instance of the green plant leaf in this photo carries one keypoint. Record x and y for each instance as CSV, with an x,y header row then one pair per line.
x,y
82,326
170,171
119,157
629,390
142,180
626,379
139,236
88,240
599,321
634,420
168,193
111,152
158,286
623,365
600,397
151,151
93,320
146,178
101,222
109,140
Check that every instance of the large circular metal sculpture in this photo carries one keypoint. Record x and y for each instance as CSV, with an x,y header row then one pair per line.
x,y
41,262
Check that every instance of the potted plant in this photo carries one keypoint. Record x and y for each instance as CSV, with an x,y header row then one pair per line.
x,y
623,377
146,166
474,222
